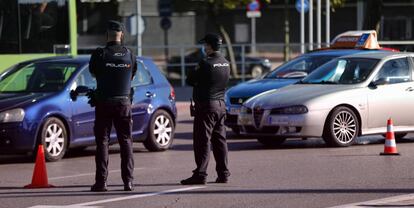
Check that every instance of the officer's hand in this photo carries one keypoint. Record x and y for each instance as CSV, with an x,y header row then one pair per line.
x,y
91,98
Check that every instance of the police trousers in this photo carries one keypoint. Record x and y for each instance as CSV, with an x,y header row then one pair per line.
x,y
209,129
118,114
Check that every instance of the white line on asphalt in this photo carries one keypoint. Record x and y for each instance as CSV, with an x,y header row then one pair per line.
x,y
383,202
85,174
137,196
55,206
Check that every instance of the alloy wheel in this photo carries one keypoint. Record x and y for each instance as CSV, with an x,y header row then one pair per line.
x,y
54,140
162,130
344,127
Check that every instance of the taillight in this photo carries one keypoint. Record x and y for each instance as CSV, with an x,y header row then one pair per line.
x,y
172,92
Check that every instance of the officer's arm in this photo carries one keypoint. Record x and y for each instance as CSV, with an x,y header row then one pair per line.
x,y
134,65
193,75
94,61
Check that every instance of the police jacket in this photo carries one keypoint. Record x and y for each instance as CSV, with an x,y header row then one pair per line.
x,y
113,67
210,78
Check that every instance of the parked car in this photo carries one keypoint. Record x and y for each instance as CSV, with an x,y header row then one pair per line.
x,y
254,66
345,98
44,101
286,74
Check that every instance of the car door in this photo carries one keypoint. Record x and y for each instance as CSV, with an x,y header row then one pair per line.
x,y
143,95
396,98
83,116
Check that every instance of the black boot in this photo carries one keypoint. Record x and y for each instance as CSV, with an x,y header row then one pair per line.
x,y
129,186
99,187
194,180
222,179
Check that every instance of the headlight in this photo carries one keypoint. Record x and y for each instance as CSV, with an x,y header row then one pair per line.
x,y
15,115
298,109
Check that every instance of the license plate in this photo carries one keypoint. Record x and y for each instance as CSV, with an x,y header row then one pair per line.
x,y
278,120
244,120
234,111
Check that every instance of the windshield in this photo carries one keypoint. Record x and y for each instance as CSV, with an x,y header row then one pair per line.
x,y
37,77
342,71
299,67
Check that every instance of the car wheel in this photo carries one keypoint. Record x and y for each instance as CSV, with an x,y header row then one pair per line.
x,y
257,71
54,139
341,128
160,132
271,141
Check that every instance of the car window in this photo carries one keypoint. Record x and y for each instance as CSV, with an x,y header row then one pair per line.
x,y
395,71
37,77
342,71
299,67
143,77
85,79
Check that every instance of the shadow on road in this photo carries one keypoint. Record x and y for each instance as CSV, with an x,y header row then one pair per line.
x,y
72,153
71,193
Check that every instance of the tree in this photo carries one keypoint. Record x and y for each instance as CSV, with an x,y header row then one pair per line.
x,y
213,9
372,12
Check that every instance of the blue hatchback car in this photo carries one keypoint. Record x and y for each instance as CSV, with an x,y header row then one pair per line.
x,y
286,74
43,101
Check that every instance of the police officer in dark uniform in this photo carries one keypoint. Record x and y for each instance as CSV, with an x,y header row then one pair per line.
x,y
113,67
209,80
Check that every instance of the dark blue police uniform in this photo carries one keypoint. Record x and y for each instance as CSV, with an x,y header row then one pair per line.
x,y
114,67
209,82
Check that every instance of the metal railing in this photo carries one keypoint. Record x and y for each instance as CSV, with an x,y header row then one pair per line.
x,y
181,58
175,60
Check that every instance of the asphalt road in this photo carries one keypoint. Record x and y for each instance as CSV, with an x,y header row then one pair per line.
x,y
298,174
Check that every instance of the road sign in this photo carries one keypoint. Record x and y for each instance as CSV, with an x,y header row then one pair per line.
x,y
253,6
299,6
165,23
132,25
253,14
165,8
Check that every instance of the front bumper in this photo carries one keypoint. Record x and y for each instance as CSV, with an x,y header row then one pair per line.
x,y
310,124
16,138
232,113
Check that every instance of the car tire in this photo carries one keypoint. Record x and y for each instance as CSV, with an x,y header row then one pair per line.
x,y
341,128
256,71
160,132
271,141
54,138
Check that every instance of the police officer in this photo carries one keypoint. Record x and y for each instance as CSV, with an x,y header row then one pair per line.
x,y
209,81
114,67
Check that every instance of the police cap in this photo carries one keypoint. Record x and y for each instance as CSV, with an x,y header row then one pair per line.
x,y
212,39
115,26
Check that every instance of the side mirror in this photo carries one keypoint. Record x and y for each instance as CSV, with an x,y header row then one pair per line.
x,y
80,90
381,81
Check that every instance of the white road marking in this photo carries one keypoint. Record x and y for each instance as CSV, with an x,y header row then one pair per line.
x,y
85,174
55,206
138,196
88,204
383,202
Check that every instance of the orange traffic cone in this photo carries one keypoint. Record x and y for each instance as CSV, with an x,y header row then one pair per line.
x,y
39,179
390,147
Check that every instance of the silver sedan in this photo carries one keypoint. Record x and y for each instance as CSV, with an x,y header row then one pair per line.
x,y
341,100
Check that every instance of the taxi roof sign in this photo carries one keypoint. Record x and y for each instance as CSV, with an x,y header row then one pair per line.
x,y
366,39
